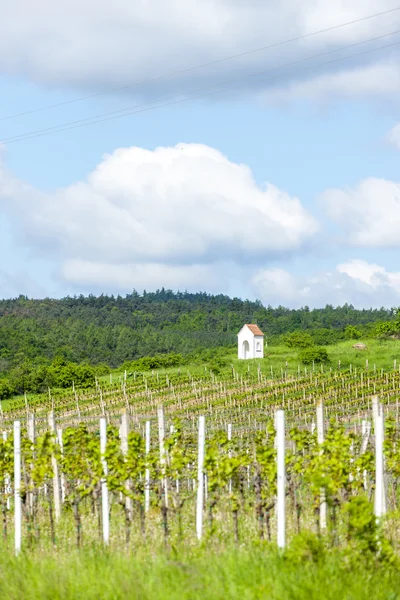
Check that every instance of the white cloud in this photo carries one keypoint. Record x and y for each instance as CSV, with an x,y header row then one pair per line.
x,y
13,285
150,215
393,137
373,80
369,213
355,282
279,282
99,44
148,276
371,274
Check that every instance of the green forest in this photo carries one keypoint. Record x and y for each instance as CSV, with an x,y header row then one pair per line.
x,y
52,343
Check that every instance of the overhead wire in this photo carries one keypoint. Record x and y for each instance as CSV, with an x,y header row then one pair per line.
x,y
200,66
172,100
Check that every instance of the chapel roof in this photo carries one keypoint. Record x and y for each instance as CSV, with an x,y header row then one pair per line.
x,y
255,330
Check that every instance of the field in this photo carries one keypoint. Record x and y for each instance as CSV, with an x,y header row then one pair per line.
x,y
381,353
155,506
251,573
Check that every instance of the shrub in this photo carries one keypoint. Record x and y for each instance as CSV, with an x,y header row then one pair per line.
x,y
352,333
6,389
324,336
62,375
385,329
313,355
210,355
298,339
215,368
102,369
306,547
147,363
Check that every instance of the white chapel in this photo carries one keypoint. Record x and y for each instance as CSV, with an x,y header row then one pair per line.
x,y
250,342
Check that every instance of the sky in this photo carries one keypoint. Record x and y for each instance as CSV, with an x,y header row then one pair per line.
x,y
227,146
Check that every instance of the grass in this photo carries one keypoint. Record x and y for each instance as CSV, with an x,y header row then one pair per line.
x,y
258,572
212,571
379,353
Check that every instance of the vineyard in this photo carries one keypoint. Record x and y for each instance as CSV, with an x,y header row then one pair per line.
x,y
169,460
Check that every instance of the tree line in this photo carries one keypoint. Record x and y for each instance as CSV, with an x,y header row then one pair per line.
x,y
84,335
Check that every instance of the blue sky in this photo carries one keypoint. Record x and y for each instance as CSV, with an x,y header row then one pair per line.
x,y
284,190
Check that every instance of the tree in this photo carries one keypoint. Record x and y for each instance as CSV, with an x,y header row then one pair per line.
x,y
6,389
352,333
298,339
384,329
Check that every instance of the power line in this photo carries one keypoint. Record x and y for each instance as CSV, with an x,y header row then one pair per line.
x,y
172,100
201,66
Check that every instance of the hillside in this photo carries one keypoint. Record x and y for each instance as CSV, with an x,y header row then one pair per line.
x,y
115,329
52,343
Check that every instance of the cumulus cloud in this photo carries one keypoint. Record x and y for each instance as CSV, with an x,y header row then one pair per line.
x,y
368,214
393,137
159,215
372,80
373,275
151,276
278,282
100,45
14,284
357,282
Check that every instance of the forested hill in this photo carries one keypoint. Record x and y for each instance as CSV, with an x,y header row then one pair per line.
x,y
108,329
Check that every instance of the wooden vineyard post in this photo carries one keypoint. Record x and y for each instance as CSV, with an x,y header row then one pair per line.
x,y
31,427
281,478
200,478
161,438
230,454
365,431
375,410
17,487
351,476
7,489
147,473
380,501
378,420
77,406
31,437
126,396
102,407
172,430
62,479
124,432
56,479
321,438
104,488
